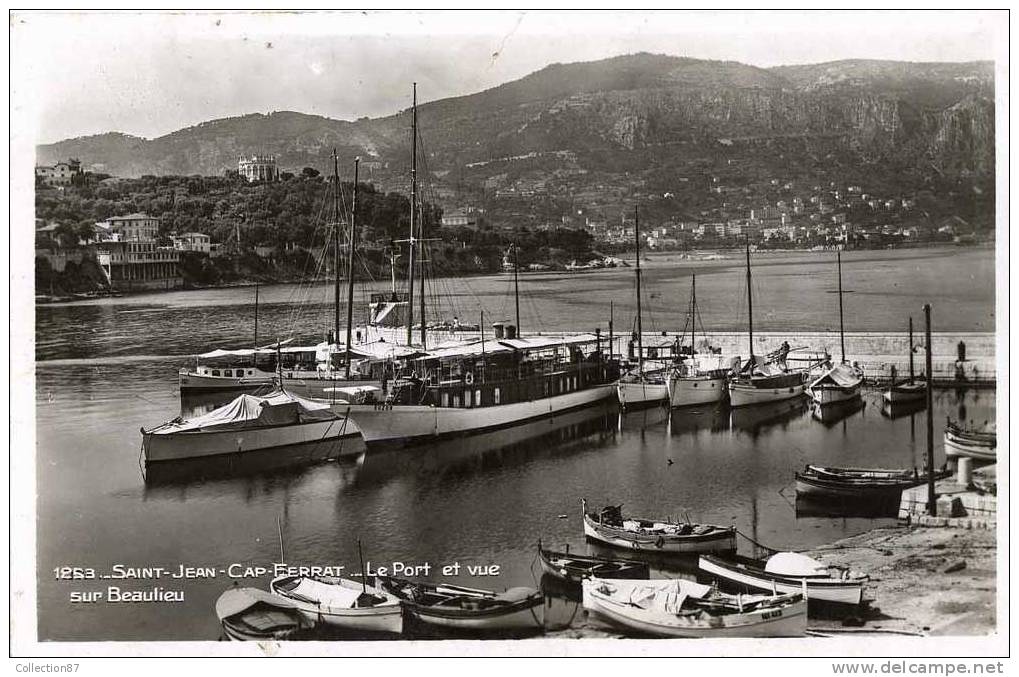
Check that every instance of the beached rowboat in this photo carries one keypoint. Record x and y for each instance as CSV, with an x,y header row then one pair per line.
x,y
786,572
342,603
249,614
458,608
573,568
682,608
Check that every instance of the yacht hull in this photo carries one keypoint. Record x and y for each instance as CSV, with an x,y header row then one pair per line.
x,y
407,425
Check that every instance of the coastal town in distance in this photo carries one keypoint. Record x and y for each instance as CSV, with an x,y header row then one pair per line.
x,y
634,345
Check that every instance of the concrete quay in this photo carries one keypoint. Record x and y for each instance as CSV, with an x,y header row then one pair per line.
x,y
875,352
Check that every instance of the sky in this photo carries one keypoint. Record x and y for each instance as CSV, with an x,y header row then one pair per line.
x,y
151,74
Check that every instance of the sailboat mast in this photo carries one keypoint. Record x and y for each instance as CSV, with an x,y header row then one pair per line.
x,y
932,504
421,265
254,355
911,376
640,327
842,328
336,247
611,336
750,306
350,263
413,211
516,285
693,317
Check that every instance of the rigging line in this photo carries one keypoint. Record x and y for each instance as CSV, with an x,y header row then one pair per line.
x,y
297,312
304,288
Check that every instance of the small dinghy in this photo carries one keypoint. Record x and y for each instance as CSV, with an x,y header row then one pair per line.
x,y
610,527
341,602
681,608
453,607
786,572
572,568
249,614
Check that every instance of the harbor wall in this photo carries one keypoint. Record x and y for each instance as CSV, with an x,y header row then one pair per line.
x,y
875,352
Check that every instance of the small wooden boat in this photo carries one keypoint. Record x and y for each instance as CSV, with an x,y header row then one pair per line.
x,y
696,380
978,443
841,382
858,483
610,527
643,387
838,384
454,607
342,602
681,608
768,379
905,392
640,391
572,568
911,390
786,572
249,614
861,473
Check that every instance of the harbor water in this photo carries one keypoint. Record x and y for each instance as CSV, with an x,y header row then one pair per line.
x,y
107,368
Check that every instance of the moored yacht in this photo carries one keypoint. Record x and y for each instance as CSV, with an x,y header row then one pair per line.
x,y
489,384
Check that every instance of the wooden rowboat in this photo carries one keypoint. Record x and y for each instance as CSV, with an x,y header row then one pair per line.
x,y
454,607
249,614
681,608
610,527
342,603
980,444
786,572
573,568
856,485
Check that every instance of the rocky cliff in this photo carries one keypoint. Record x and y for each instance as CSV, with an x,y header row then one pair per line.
x,y
937,117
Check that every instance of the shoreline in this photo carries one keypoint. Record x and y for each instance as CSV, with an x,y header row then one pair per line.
x,y
924,581
706,256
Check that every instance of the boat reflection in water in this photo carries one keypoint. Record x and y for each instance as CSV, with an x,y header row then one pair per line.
x,y
586,429
847,507
836,412
713,417
894,410
756,420
634,420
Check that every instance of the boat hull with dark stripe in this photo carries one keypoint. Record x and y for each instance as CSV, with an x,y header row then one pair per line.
x,y
751,573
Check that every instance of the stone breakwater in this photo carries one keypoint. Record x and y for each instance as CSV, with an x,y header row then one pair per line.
x,y
875,352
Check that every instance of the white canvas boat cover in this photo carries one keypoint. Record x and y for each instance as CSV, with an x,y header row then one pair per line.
x,y
661,594
253,411
326,594
842,375
236,600
794,564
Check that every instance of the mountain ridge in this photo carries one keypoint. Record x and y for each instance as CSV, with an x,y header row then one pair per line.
x,y
902,113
